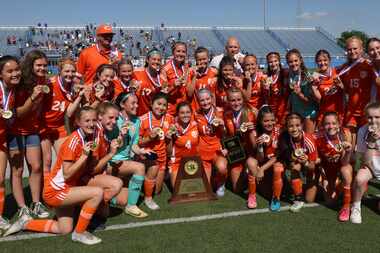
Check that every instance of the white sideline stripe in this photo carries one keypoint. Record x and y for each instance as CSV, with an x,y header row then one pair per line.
x,y
160,222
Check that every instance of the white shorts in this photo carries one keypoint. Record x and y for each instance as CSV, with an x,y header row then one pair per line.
x,y
372,160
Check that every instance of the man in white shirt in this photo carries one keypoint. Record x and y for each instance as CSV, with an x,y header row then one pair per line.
x,y
368,147
232,50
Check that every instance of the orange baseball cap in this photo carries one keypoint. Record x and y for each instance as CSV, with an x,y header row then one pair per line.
x,y
104,29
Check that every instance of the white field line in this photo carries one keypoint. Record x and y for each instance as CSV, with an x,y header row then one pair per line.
x,y
160,222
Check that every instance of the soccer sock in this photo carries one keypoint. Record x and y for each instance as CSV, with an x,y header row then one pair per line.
x,y
134,188
356,204
346,196
220,179
251,184
84,218
297,186
45,226
277,181
2,199
149,187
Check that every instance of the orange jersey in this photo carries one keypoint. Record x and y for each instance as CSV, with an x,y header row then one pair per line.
x,y
308,144
176,94
277,97
221,94
90,59
256,99
55,107
70,151
206,81
146,89
186,143
209,136
31,123
233,122
120,87
328,149
149,122
357,83
270,148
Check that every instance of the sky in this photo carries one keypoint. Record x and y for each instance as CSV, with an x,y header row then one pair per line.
x,y
335,16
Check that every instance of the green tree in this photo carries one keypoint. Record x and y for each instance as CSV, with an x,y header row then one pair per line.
x,y
345,35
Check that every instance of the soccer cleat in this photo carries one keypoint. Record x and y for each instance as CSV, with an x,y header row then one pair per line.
x,y
151,204
19,224
85,238
251,202
296,207
39,210
275,205
356,216
344,214
135,212
4,223
221,191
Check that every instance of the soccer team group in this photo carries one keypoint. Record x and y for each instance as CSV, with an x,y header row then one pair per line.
x,y
118,131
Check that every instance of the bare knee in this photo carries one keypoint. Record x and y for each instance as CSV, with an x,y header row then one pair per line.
x,y
140,169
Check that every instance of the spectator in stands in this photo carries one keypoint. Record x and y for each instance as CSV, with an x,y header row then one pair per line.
x,y
232,50
101,53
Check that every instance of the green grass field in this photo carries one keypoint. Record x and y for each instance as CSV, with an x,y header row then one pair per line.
x,y
314,229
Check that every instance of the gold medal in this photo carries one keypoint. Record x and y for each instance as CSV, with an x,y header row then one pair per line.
x,y
45,89
243,128
266,138
160,133
215,123
7,114
99,87
298,152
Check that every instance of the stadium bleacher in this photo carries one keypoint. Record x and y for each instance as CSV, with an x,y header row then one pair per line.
x,y
135,41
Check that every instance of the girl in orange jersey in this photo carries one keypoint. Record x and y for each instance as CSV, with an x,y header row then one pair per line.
x,y
103,88
149,81
330,93
77,159
276,95
211,129
124,82
10,76
202,77
302,98
226,79
24,140
253,81
185,138
240,119
335,149
154,127
176,71
268,133
59,105
297,151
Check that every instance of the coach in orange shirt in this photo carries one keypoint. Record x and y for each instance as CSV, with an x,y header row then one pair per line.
x,y
100,53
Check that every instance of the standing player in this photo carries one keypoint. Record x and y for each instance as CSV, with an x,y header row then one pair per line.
x,y
369,147
357,76
101,53
176,71
154,127
24,139
240,119
211,129
202,77
302,98
149,81
276,95
10,76
124,81
253,81
103,88
373,49
59,105
267,140
334,149
297,151
330,93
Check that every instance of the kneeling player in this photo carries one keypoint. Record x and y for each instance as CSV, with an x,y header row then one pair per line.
x,y
369,146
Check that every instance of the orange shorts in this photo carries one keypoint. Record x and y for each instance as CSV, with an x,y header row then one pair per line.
x,y
54,198
53,134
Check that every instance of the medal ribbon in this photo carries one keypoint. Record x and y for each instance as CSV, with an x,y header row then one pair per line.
x,y
150,120
158,84
5,98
